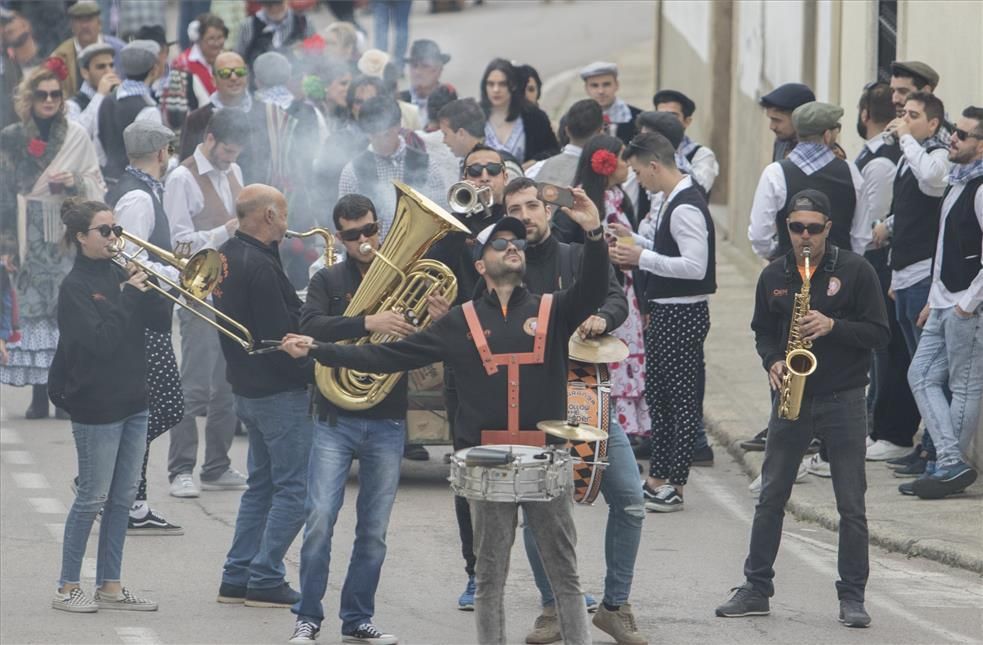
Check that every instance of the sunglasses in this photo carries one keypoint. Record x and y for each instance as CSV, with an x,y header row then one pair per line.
x,y
962,135
475,169
225,73
500,244
42,96
105,230
353,234
799,228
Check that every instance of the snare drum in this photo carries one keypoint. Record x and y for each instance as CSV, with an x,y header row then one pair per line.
x,y
588,402
533,475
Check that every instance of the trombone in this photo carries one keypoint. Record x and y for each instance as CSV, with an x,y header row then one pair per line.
x,y
199,275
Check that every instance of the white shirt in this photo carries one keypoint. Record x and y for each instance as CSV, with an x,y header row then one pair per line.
x,y
770,197
183,201
939,297
689,230
89,120
878,188
704,167
931,170
569,149
135,213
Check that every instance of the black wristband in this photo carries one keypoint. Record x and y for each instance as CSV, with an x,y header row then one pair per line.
x,y
595,234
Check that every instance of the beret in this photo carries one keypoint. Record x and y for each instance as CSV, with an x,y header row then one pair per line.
x,y
788,96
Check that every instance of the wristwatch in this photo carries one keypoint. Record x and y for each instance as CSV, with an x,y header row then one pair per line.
x,y
595,234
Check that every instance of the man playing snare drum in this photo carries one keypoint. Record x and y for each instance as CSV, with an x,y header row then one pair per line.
x,y
495,397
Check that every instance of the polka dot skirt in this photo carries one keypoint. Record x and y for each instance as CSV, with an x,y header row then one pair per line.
x,y
165,397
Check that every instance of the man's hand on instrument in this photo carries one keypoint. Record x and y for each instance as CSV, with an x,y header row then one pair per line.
x,y
815,325
138,279
297,345
584,212
593,326
437,306
388,322
625,255
775,374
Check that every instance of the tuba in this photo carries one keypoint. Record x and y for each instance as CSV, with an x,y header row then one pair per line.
x,y
399,280
799,361
329,255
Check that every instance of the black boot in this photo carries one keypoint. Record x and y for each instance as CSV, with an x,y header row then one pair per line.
x,y
39,403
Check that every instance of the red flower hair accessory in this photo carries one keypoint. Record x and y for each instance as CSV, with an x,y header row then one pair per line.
x,y
313,45
57,66
603,162
36,147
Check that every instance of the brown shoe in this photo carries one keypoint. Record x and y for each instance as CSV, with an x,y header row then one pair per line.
x,y
620,625
546,629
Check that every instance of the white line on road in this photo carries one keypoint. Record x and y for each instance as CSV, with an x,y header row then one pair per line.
x,y
30,480
9,435
16,457
803,546
138,636
50,505
57,531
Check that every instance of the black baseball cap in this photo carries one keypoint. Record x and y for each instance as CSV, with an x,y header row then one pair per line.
x,y
809,199
512,224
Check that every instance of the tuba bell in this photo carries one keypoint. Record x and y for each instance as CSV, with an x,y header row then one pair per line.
x,y
399,280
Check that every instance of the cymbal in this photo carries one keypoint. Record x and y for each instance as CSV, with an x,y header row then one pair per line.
x,y
572,431
602,349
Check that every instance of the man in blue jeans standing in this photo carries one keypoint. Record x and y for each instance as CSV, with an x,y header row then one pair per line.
x,y
271,399
374,436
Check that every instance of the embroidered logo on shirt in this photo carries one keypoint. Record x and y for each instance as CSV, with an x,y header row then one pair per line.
x,y
98,297
530,326
778,293
834,286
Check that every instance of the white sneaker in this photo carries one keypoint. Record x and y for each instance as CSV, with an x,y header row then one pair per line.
x,y
870,441
755,486
882,450
75,601
231,479
818,467
184,486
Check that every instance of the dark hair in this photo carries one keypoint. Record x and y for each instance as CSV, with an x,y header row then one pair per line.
x,y
525,72
517,99
362,81
664,123
230,126
478,148
584,119
876,99
933,105
76,215
593,183
976,114
466,114
517,184
675,96
651,146
899,71
562,137
208,21
379,113
441,96
352,207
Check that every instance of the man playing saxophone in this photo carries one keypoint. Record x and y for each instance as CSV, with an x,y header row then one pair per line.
x,y
845,320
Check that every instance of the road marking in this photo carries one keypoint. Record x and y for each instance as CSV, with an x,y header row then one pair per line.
x,y
16,457
30,480
803,548
9,435
138,636
48,505
57,531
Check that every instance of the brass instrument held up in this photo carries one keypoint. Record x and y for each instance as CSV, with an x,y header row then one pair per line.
x,y
799,361
468,200
329,253
399,280
199,275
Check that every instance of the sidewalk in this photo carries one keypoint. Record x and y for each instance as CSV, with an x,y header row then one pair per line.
x,y
737,403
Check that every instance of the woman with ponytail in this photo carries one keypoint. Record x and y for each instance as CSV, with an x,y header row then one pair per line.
x,y
99,375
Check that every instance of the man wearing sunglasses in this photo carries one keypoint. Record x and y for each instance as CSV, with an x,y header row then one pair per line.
x,y
846,320
231,90
510,317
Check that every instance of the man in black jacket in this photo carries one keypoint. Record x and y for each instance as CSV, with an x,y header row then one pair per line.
x,y
511,318
846,319
271,400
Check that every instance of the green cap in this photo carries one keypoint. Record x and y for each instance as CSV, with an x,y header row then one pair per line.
x,y
815,117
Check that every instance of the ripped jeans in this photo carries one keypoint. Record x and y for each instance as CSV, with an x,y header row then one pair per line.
x,y
622,490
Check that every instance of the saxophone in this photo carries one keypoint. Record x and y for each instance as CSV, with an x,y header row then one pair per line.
x,y
799,361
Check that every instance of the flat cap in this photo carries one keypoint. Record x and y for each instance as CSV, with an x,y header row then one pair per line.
x,y
144,137
915,68
83,9
94,50
815,117
664,123
138,57
599,68
272,69
424,49
788,96
810,199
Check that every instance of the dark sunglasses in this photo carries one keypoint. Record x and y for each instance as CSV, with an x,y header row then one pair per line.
x,y
799,228
352,234
500,244
225,73
475,169
106,229
962,135
41,95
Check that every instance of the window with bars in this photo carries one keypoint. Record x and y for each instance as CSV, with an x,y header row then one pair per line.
x,y
887,37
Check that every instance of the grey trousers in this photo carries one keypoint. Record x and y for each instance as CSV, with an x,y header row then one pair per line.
x,y
206,393
556,539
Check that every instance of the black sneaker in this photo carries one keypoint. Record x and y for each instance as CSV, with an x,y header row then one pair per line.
x,y
757,443
282,596
152,524
853,614
667,500
230,594
415,453
702,457
304,632
911,457
915,468
648,493
746,601
369,633
814,447
944,481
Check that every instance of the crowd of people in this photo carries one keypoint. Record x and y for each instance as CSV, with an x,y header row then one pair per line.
x,y
261,124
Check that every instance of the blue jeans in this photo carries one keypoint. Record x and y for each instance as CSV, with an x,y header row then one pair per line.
x,y
950,352
378,445
622,490
399,11
271,510
908,303
110,456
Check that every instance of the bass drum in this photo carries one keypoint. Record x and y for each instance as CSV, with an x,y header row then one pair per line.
x,y
588,402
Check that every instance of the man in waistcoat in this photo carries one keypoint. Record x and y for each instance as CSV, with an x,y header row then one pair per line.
x,y
601,84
